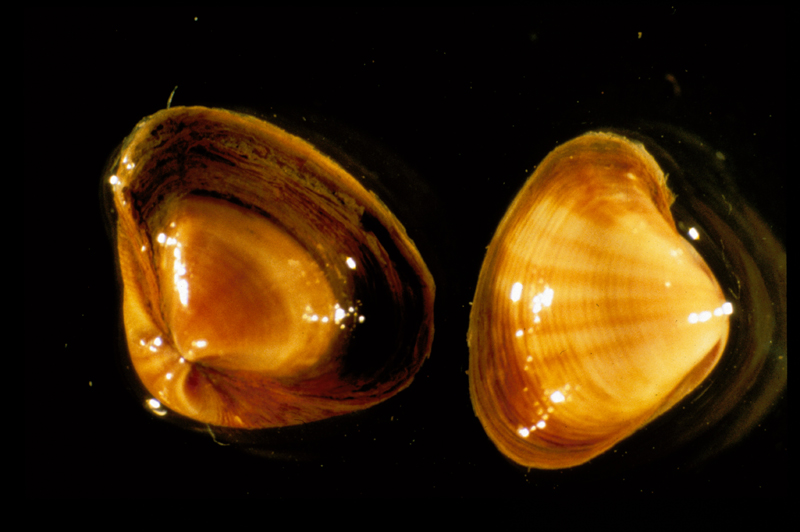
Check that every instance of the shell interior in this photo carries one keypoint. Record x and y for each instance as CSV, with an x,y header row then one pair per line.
x,y
263,285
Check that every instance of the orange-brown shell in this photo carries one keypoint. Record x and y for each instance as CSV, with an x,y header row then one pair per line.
x,y
592,315
263,284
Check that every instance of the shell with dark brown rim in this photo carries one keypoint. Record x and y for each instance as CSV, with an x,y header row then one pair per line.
x,y
263,285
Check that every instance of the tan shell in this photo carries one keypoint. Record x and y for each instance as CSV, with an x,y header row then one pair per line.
x,y
592,315
263,284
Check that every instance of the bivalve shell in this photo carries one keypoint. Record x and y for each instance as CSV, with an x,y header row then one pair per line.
x,y
263,284
592,314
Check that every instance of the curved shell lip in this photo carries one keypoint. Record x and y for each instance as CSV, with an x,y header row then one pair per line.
x,y
333,437
341,437
397,234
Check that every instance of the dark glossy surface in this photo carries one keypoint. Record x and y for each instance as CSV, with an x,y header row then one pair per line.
x,y
470,100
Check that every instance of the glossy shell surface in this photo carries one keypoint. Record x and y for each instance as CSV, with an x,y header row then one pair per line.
x,y
263,284
592,315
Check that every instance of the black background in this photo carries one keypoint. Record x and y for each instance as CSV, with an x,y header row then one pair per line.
x,y
470,100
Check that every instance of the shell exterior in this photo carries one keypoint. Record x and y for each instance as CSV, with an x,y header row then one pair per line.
x,y
592,315
263,285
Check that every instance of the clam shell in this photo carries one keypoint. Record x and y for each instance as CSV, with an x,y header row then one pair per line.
x,y
592,315
263,284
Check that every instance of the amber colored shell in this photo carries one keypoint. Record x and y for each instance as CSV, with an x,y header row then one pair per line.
x,y
592,315
263,284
